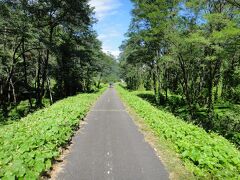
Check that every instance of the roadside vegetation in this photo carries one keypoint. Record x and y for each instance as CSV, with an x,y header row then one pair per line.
x,y
187,53
207,155
180,58
29,146
227,114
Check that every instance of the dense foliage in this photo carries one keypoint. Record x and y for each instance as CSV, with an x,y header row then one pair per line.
x,y
48,49
208,155
27,147
226,124
189,49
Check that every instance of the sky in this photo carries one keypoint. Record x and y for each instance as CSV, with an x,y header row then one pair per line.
x,y
114,17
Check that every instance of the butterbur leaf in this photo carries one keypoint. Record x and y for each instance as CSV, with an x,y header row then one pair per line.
x,y
8,177
1,172
7,160
27,146
30,175
205,154
236,161
18,168
39,166
48,164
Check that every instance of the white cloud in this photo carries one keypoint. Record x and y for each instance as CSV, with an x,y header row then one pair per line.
x,y
105,8
108,34
115,53
110,50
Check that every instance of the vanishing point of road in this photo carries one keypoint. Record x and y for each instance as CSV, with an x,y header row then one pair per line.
x,y
110,147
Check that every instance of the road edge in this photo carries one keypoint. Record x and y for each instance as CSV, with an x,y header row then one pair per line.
x,y
164,150
59,162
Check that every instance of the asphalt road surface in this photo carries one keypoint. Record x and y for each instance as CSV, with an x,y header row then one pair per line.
x,y
110,147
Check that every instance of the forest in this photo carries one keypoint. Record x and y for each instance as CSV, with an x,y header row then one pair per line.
x,y
48,51
186,54
173,92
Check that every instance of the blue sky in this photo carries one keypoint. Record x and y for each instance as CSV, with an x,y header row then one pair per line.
x,y
113,21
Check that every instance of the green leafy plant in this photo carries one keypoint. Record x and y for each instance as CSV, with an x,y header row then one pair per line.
x,y
207,155
27,147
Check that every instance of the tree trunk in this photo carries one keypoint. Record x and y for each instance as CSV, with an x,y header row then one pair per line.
x,y
185,87
14,93
45,65
50,91
154,84
38,83
99,81
210,97
25,73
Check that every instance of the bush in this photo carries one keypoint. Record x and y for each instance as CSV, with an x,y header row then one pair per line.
x,y
207,155
227,121
236,94
22,109
27,147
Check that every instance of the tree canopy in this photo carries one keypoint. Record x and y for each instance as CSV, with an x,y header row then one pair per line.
x,y
186,48
48,49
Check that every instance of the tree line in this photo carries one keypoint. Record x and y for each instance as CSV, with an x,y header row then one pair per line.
x,y
188,49
48,49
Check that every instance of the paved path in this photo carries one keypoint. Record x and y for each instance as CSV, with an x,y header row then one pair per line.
x,y
110,147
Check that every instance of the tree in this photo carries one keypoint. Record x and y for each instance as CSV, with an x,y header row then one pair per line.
x,y
48,49
186,47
